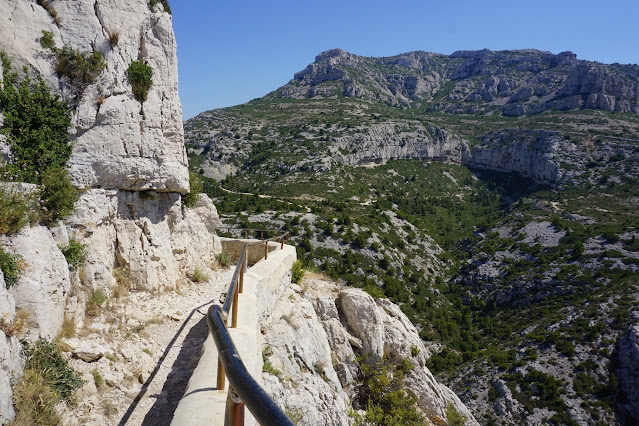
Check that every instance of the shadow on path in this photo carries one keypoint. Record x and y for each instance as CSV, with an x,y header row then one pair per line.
x,y
162,411
189,356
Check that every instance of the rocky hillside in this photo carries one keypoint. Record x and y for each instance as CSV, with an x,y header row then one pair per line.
x,y
514,83
491,195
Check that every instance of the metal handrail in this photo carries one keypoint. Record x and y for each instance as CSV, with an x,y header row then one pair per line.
x,y
244,389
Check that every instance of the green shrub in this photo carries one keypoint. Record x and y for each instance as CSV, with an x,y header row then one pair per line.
x,y
297,272
195,183
164,3
35,123
17,208
75,253
224,259
80,69
97,299
453,417
46,40
58,194
140,76
44,356
11,267
384,397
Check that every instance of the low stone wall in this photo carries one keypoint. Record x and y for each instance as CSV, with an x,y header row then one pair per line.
x,y
264,283
255,249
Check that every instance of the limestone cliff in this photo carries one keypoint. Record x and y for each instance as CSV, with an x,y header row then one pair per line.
x,y
120,148
119,143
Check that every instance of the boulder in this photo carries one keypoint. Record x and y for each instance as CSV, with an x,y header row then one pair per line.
x,y
44,285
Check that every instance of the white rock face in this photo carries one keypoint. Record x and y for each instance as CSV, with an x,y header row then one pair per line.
x,y
119,143
44,284
382,142
315,333
152,237
10,362
120,146
531,154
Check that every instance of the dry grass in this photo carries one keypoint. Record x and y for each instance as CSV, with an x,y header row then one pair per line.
x,y
114,37
17,326
34,401
68,327
95,302
123,282
109,409
199,275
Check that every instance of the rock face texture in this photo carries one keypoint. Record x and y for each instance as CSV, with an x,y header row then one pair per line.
x,y
119,143
528,153
312,339
387,141
128,160
44,283
10,362
628,374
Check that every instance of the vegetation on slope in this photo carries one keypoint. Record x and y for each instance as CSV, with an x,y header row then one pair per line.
x,y
528,287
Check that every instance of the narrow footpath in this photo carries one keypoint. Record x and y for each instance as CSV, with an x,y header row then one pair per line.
x,y
138,354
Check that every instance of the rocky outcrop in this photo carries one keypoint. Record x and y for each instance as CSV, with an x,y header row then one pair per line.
x,y
151,237
396,140
313,337
118,142
528,153
44,283
513,82
627,355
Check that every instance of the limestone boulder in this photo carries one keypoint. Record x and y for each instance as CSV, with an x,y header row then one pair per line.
x,y
401,338
44,285
365,320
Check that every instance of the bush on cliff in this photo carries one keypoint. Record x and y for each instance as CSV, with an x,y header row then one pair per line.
x,y
140,75
190,199
35,124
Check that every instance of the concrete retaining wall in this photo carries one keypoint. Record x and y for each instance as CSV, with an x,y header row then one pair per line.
x,y
264,283
255,250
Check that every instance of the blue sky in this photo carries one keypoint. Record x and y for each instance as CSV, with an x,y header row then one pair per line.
x,y
232,51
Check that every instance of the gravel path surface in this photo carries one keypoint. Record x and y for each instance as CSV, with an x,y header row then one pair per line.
x,y
150,344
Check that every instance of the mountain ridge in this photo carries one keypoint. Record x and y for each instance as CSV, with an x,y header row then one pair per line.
x,y
542,81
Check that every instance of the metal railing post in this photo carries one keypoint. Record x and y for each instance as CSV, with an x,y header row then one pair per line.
x,y
221,376
246,234
234,315
234,415
261,235
228,232
282,245
265,250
